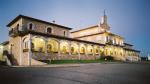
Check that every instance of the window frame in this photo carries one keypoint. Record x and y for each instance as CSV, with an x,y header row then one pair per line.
x,y
28,26
50,28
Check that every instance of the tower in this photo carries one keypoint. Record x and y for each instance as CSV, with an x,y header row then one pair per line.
x,y
103,24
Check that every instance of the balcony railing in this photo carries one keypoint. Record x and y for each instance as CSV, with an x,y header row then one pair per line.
x,y
15,31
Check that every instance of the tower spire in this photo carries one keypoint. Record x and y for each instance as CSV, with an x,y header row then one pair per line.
x,y
104,24
105,17
104,12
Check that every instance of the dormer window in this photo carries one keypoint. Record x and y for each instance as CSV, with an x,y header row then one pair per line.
x,y
49,30
30,26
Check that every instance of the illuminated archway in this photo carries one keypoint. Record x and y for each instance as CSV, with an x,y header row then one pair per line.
x,y
96,50
74,48
90,49
101,51
82,48
52,45
64,47
38,44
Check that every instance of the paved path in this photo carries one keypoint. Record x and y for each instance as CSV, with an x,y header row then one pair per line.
x,y
88,74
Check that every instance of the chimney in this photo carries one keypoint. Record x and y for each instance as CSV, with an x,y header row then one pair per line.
x,y
53,21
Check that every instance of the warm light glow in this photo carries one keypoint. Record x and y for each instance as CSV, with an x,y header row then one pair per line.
x,y
38,44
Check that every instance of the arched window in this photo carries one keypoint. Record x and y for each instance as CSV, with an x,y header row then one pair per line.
x,y
17,27
64,33
49,30
30,26
25,44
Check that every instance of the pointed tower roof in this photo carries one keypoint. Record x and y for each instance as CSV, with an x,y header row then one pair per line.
x,y
104,23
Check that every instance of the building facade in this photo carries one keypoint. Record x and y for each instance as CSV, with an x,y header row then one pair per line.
x,y
31,41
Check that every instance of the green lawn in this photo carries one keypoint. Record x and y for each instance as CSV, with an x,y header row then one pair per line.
x,y
73,61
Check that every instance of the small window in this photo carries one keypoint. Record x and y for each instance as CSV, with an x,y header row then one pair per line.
x,y
30,26
26,45
17,26
64,33
49,30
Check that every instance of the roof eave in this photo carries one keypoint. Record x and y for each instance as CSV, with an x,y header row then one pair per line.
x,y
22,16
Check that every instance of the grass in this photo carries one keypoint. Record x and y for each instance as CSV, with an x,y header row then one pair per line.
x,y
75,61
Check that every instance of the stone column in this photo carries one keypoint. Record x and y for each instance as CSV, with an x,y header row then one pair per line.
x,y
79,50
46,49
99,52
30,52
69,48
93,49
20,58
59,50
86,50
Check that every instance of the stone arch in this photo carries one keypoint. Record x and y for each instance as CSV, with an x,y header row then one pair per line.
x,y
96,49
52,45
38,44
64,47
74,48
82,48
101,50
30,26
25,41
49,30
90,49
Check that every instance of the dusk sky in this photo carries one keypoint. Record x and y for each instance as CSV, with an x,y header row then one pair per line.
x,y
128,18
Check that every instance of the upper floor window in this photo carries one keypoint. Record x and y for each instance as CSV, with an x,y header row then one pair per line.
x,y
64,33
107,38
30,26
49,30
17,27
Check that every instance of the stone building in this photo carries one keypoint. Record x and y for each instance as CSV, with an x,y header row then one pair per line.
x,y
33,40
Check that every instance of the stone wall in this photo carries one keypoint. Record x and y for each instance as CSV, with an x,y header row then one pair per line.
x,y
15,49
42,27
